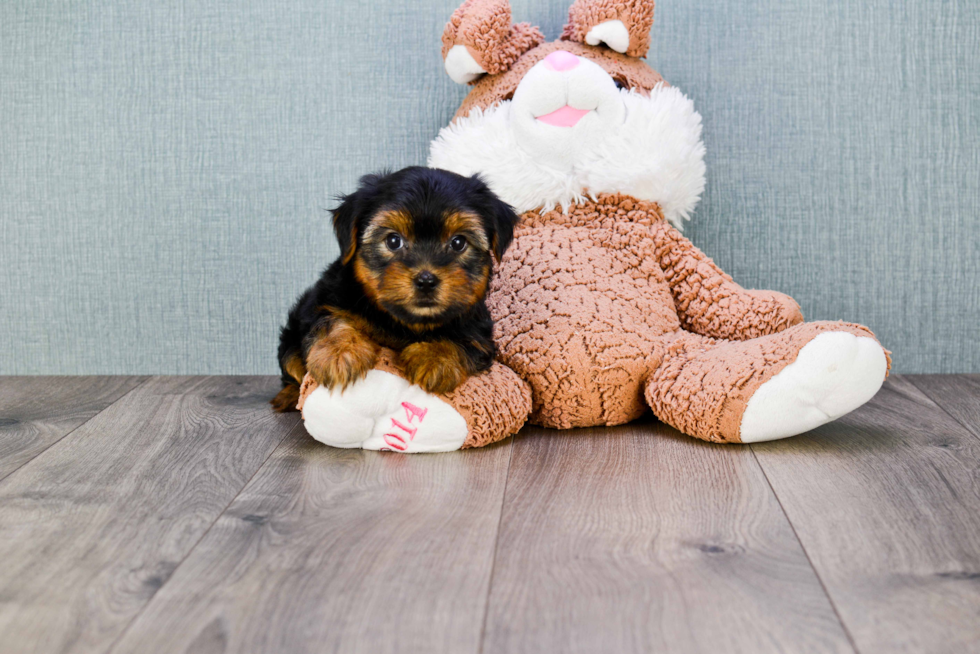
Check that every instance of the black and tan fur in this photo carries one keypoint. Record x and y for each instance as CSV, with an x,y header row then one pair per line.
x,y
423,299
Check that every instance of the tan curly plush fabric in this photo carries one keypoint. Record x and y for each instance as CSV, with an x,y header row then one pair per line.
x,y
637,16
709,302
578,304
494,404
491,89
484,27
591,308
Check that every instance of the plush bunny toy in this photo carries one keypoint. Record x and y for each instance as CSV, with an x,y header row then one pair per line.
x,y
603,309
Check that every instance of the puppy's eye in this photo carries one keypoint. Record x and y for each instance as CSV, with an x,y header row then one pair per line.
x,y
620,84
458,243
394,242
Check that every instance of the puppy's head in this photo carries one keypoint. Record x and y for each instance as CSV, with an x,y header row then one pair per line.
x,y
421,242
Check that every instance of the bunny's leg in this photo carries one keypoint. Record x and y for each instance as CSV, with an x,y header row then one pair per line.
x,y
765,388
383,411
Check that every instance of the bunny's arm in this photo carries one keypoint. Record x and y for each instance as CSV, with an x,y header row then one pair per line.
x,y
709,302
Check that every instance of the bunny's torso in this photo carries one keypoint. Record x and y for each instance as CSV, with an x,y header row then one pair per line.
x,y
580,302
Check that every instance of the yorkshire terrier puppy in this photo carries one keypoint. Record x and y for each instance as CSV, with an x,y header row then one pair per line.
x,y
417,250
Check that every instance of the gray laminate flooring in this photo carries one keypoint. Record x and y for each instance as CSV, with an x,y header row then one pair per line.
x,y
179,514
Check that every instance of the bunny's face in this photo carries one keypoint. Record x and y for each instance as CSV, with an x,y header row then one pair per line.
x,y
565,106
548,124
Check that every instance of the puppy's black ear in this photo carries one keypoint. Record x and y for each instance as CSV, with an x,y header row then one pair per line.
x,y
345,226
347,216
505,219
501,221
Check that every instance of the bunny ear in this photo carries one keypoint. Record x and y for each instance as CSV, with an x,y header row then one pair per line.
x,y
480,38
623,25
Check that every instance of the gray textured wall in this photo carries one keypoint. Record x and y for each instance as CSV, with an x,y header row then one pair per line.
x,y
164,165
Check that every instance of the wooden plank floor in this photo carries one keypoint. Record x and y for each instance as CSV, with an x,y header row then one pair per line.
x,y
178,514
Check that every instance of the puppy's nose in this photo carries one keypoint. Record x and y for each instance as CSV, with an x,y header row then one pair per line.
x,y
426,281
562,60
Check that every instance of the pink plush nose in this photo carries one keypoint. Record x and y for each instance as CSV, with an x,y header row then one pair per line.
x,y
561,60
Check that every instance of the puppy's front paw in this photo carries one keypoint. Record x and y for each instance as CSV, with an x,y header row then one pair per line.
x,y
341,357
437,366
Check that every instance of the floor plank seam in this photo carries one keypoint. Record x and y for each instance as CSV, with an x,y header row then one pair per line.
x,y
496,543
122,634
823,586
77,427
973,431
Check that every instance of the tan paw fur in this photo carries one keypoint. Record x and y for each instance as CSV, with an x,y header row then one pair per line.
x,y
437,366
341,356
